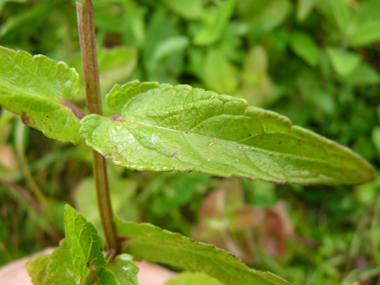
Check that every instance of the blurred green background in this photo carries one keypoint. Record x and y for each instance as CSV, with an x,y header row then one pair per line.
x,y
315,61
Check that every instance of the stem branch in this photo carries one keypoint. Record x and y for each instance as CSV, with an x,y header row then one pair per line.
x,y
94,106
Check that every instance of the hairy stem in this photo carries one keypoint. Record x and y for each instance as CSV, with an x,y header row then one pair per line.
x,y
94,106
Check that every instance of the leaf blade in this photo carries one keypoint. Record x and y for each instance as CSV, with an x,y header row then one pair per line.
x,y
184,129
157,245
38,89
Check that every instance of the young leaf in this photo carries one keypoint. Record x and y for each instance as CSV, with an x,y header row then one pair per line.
x,y
190,278
157,245
88,261
85,244
165,128
38,89
36,268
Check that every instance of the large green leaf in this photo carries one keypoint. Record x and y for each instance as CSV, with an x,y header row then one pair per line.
x,y
165,128
38,89
157,245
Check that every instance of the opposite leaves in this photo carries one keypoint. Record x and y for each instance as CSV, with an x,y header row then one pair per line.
x,y
38,89
165,128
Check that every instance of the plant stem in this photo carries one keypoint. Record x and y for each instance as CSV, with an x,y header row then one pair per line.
x,y
94,105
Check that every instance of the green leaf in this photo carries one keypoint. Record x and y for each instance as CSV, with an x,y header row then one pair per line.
x,y
190,278
337,12
265,15
85,244
362,75
36,268
38,89
124,269
115,66
188,9
184,129
368,33
344,62
61,269
219,73
86,251
304,46
157,245
304,8
216,23
256,83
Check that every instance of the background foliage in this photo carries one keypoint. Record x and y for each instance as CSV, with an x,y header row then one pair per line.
x,y
315,61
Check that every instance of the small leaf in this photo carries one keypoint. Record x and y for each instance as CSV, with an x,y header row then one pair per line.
x,y
157,245
188,9
264,16
190,278
86,250
36,268
124,269
216,23
304,8
85,244
362,75
38,89
344,62
367,33
181,128
219,73
304,46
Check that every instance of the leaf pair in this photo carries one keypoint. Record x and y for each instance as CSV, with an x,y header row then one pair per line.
x,y
165,128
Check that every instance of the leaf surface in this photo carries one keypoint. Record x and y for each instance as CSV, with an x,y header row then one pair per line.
x,y
157,245
38,89
165,128
36,268
61,269
124,269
